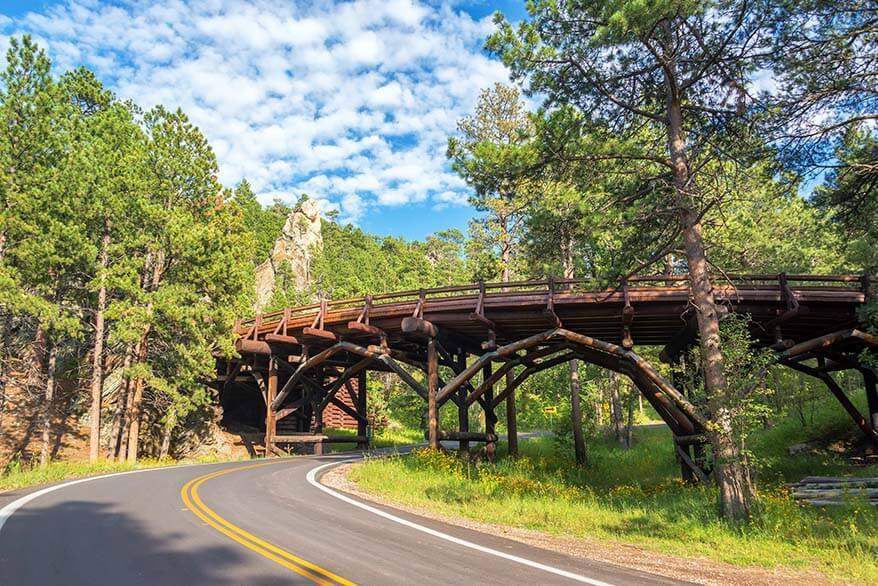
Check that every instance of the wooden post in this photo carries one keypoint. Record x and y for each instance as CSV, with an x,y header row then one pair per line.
x,y
270,417
870,379
490,418
462,410
362,429
511,423
685,470
432,389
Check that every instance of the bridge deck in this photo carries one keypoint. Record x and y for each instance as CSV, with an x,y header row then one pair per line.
x,y
302,359
660,308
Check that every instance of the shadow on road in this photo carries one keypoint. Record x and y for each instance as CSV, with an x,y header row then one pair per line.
x,y
78,542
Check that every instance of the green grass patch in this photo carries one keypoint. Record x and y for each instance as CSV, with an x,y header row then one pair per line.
x,y
383,438
634,496
18,475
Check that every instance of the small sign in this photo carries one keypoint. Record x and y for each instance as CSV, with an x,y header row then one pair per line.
x,y
551,410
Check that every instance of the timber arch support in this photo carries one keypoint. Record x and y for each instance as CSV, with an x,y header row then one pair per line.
x,y
487,339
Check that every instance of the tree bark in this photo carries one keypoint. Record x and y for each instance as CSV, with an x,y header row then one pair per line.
x,y
511,420
48,409
5,355
629,425
116,432
505,250
731,473
134,412
576,414
143,353
166,436
575,388
616,404
97,376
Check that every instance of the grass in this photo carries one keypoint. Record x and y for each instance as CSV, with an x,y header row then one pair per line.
x,y
635,496
18,475
383,438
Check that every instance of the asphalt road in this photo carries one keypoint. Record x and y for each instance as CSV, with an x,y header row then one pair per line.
x,y
257,524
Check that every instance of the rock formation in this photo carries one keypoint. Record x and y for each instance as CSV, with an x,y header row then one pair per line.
x,y
300,237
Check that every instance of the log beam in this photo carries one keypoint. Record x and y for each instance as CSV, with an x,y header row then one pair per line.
x,y
432,389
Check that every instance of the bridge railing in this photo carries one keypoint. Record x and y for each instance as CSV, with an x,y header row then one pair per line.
x,y
546,286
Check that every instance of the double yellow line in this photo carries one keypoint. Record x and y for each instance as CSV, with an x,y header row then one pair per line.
x,y
303,567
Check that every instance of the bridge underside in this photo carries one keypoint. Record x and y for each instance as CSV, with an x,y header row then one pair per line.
x,y
478,343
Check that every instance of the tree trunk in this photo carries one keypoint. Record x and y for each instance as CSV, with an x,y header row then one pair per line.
x,y
143,353
616,404
576,414
731,473
575,387
505,250
5,356
48,404
116,432
134,412
97,376
170,424
629,426
511,420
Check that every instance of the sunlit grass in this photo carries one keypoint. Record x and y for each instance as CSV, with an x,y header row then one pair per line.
x,y
382,438
634,496
19,475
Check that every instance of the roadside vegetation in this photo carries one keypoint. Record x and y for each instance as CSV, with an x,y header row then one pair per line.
x,y
635,496
383,438
21,475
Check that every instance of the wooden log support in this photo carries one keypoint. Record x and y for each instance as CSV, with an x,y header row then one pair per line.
x,y
511,423
690,464
828,340
462,408
870,380
319,334
417,327
490,417
320,358
245,346
554,320
282,339
792,311
432,389
861,422
363,420
271,391
366,330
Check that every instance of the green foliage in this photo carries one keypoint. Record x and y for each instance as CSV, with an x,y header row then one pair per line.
x,y
94,194
353,263
264,224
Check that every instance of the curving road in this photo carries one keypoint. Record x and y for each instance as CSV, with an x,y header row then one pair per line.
x,y
258,524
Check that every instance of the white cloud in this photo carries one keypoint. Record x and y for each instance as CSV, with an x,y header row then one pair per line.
x,y
351,102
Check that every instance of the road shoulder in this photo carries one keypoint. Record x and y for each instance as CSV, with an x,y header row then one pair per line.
x,y
698,570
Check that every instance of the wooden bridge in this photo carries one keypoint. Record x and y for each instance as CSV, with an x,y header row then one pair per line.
x,y
477,343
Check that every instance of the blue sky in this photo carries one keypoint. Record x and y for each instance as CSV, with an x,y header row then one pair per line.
x,y
350,102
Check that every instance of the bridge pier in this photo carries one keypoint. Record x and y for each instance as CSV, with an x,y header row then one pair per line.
x,y
511,422
490,416
432,389
363,430
270,394
462,408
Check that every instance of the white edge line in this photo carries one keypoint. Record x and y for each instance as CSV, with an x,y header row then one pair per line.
x,y
312,479
7,511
